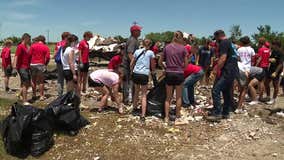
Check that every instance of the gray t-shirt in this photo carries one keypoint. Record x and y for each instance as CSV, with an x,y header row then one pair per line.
x,y
132,45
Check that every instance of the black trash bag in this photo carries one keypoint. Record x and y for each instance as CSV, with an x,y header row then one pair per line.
x,y
64,112
156,100
18,128
42,136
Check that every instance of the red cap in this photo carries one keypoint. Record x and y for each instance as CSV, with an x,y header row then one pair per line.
x,y
267,44
135,28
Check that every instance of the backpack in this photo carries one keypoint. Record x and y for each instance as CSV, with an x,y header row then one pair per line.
x,y
58,55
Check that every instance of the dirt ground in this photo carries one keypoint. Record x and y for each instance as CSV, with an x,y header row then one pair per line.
x,y
252,135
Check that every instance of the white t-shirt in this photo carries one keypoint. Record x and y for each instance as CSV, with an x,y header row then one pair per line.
x,y
246,54
105,76
65,58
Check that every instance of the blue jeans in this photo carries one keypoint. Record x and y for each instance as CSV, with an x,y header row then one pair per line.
x,y
188,87
223,86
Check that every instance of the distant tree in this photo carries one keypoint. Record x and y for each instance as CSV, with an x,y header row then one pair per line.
x,y
236,33
162,37
120,38
16,40
266,32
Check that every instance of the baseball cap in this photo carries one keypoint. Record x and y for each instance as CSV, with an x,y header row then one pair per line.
x,y
135,28
267,44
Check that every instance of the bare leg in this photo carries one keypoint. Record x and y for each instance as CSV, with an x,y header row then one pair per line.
x,y
117,98
34,82
276,88
136,95
178,100
84,81
41,86
242,96
105,91
144,99
169,90
267,87
252,90
25,92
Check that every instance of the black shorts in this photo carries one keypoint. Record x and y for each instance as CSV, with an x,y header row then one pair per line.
x,y
266,72
8,71
84,68
93,83
140,79
174,79
68,75
25,75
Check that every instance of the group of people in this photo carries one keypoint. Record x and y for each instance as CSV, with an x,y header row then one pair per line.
x,y
230,66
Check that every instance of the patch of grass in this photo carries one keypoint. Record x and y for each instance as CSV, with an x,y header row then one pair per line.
x,y
4,102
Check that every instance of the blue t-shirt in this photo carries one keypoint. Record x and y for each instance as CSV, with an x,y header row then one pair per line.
x,y
142,65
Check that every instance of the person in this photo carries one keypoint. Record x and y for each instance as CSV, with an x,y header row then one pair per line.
x,y
22,64
262,61
276,66
40,56
116,60
132,45
59,67
205,60
142,60
6,63
192,74
246,53
70,67
256,75
175,56
107,83
243,80
224,80
84,60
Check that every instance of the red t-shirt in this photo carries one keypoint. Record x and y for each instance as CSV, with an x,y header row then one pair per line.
x,y
58,45
115,62
6,57
264,53
188,49
23,57
39,53
155,49
191,69
84,49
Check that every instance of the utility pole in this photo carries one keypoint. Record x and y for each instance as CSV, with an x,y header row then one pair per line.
x,y
47,36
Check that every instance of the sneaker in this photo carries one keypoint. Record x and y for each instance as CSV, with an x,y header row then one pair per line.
x,y
42,98
240,111
214,118
272,101
26,104
263,100
253,102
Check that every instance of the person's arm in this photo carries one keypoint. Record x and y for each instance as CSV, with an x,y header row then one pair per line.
x,y
15,61
55,51
131,49
47,56
185,61
132,64
224,48
161,60
71,64
198,56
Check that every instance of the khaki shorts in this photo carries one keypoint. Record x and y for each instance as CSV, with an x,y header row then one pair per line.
x,y
38,70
